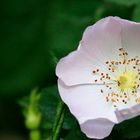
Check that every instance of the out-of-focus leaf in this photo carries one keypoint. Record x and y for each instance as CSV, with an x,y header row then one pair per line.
x,y
136,13
117,10
48,103
99,12
69,120
124,2
25,58
129,129
69,20
24,102
76,134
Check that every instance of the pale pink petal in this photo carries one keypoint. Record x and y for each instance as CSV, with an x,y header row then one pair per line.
x,y
95,116
77,68
103,39
87,102
128,113
99,44
97,128
131,37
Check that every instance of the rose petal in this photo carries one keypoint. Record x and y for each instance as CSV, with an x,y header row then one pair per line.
x,y
128,113
96,117
86,102
77,68
98,42
131,37
103,39
97,128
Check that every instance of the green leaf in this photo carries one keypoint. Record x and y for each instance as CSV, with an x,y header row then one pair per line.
x,y
69,120
69,23
24,53
136,13
48,103
124,2
76,134
129,129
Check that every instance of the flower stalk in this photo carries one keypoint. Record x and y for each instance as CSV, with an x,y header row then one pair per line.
x,y
59,119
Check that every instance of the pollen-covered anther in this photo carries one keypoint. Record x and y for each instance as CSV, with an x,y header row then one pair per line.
x,y
138,100
97,70
94,71
101,91
114,106
113,100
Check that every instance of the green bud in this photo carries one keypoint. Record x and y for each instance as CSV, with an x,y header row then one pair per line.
x,y
33,120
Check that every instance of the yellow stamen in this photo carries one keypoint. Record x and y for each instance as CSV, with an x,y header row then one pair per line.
x,y
127,81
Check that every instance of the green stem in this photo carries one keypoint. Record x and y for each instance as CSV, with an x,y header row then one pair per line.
x,y
35,135
58,115
58,120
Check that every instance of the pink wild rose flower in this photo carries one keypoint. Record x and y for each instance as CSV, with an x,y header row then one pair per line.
x,y
100,81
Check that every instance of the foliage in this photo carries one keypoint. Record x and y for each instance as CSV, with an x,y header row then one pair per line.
x,y
124,2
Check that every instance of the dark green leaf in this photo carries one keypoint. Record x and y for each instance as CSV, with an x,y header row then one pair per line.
x,y
124,2
69,120
136,13
25,58
48,103
69,23
129,129
76,134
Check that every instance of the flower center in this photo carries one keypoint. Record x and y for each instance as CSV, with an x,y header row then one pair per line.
x,y
122,80
127,81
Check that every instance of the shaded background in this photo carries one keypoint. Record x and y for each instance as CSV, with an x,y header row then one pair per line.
x,y
34,35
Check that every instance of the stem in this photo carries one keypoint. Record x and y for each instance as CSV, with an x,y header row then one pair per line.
x,y
35,135
58,120
59,126
58,115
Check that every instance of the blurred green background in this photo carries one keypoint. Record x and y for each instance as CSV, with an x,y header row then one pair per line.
x,y
34,35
